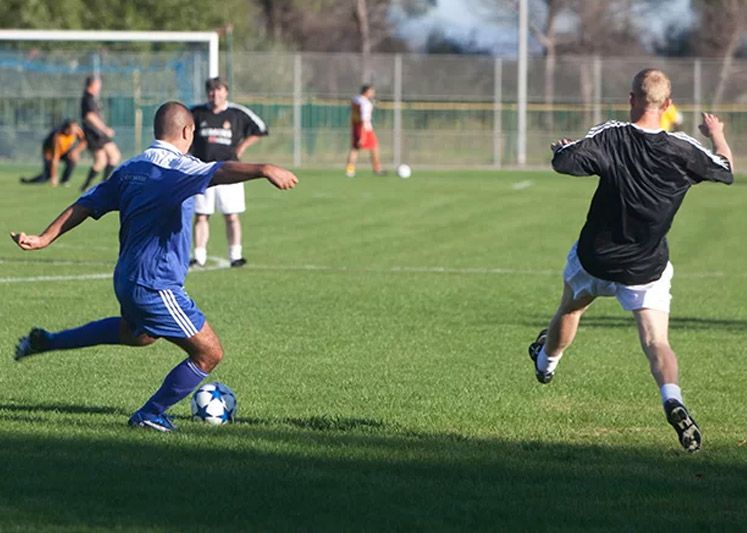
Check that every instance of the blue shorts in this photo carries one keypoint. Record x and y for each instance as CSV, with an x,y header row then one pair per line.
x,y
159,313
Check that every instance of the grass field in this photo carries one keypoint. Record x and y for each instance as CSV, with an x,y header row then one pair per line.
x,y
377,346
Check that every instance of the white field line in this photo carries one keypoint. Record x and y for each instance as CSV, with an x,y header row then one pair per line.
x,y
519,185
218,263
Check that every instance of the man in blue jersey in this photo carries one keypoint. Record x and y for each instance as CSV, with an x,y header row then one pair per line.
x,y
153,193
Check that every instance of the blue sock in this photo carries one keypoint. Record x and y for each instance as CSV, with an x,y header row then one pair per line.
x,y
182,380
104,331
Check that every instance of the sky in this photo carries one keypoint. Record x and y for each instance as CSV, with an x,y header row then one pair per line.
x,y
468,21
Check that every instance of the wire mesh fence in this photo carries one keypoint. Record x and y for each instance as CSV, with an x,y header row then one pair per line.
x,y
438,110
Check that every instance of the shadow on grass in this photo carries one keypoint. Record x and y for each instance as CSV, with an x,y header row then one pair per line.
x,y
303,474
61,408
626,320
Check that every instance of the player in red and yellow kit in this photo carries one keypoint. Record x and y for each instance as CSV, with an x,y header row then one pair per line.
x,y
364,137
61,144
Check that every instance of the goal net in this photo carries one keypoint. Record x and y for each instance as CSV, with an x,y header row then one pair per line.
x,y
43,73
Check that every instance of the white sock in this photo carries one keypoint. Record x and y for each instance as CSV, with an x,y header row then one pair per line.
x,y
546,363
201,256
671,391
234,252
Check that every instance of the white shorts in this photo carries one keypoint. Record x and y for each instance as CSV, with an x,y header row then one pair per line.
x,y
653,295
229,199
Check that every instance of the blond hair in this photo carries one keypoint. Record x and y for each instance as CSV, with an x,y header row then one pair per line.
x,y
653,86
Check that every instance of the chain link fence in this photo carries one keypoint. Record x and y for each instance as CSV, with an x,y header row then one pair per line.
x,y
431,111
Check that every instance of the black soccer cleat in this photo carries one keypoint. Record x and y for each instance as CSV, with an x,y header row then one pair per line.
x,y
534,350
238,262
33,343
687,430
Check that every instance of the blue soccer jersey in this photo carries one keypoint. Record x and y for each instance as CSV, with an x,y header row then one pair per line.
x,y
153,194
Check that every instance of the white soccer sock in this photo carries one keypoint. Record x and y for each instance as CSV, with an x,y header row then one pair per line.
x,y
547,364
201,256
671,391
234,252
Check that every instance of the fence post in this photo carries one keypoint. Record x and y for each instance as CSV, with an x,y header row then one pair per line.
x,y
96,64
297,110
697,94
137,101
597,76
196,78
497,110
521,119
397,131
229,54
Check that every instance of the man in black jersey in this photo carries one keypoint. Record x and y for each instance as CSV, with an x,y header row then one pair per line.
x,y
223,132
644,174
99,136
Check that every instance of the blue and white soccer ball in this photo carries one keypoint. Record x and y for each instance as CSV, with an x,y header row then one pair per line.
x,y
214,403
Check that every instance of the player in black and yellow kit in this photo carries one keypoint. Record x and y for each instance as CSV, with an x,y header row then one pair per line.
x,y
63,143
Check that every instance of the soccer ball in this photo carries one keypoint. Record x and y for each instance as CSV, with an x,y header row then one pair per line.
x,y
404,171
214,403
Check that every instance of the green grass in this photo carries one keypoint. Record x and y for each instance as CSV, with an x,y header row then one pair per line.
x,y
377,345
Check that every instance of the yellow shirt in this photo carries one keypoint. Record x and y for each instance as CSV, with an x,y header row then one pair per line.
x,y
58,143
671,118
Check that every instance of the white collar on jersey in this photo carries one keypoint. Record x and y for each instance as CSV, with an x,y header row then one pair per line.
x,y
163,145
657,130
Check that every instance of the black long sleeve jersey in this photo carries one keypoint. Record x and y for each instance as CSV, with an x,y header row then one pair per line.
x,y
643,178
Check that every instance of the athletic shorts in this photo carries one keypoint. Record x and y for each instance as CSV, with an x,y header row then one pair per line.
x,y
229,199
159,313
364,139
95,139
653,295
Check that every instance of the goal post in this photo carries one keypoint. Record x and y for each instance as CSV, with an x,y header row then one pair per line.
x,y
209,37
41,86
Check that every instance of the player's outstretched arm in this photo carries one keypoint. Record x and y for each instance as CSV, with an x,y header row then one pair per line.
x,y
235,172
713,128
67,220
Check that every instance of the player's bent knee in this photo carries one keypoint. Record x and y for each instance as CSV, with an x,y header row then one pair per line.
x,y
140,340
655,346
207,361
144,340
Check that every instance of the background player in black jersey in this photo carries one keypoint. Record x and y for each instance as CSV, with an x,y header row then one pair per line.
x,y
99,136
224,130
644,174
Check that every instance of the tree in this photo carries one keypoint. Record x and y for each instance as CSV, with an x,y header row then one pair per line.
x,y
546,36
364,30
719,34
330,25
142,15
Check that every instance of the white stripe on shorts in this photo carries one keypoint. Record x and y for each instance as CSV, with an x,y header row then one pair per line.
x,y
177,313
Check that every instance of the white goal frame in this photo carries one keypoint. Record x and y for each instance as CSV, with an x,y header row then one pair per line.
x,y
209,37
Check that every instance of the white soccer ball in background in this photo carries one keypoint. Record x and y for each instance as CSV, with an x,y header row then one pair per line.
x,y
404,171
214,403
